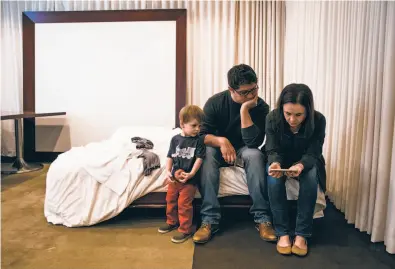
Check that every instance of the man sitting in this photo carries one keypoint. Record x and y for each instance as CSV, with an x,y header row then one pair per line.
x,y
233,129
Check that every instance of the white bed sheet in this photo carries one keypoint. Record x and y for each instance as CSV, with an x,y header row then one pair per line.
x,y
93,183
90,184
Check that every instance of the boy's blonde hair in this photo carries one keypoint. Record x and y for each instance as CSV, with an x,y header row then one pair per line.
x,y
191,112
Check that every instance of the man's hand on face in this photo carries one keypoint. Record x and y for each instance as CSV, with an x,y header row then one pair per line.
x,y
227,150
250,104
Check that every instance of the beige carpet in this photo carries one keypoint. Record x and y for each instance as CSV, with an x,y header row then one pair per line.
x,y
127,241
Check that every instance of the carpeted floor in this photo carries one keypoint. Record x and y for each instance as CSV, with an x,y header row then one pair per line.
x,y
127,241
336,245
131,240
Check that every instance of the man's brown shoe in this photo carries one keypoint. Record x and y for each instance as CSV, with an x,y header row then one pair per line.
x,y
266,231
205,232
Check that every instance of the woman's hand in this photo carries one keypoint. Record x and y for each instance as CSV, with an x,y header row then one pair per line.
x,y
298,168
275,174
227,150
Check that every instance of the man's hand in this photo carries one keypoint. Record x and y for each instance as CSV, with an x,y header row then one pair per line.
x,y
227,150
275,174
250,104
245,117
185,177
298,168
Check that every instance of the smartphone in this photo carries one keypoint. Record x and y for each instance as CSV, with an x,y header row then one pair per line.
x,y
282,170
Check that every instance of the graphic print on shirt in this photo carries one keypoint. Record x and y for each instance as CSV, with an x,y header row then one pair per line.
x,y
188,152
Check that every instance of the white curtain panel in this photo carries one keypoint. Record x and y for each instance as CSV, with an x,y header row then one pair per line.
x,y
11,64
345,52
220,34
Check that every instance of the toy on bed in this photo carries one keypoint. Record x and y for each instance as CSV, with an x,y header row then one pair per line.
x,y
90,184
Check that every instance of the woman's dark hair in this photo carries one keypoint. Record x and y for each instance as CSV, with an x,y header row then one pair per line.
x,y
297,94
240,75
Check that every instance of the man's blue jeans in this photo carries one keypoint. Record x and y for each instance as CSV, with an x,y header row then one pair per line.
x,y
254,165
308,183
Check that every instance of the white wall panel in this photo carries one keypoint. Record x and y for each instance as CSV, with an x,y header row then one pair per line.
x,y
105,76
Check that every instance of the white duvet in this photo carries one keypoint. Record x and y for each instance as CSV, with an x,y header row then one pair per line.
x,y
90,184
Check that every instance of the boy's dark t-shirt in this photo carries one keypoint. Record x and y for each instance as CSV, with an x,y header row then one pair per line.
x,y
184,150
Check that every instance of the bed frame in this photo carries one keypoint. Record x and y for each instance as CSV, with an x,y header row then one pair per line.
x,y
158,200
30,19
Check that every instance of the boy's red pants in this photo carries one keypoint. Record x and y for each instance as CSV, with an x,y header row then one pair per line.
x,y
179,208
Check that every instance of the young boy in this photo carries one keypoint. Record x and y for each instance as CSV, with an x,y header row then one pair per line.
x,y
184,158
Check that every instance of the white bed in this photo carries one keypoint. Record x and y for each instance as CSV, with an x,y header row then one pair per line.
x,y
90,184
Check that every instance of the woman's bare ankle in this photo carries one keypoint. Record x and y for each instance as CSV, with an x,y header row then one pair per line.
x,y
300,242
284,241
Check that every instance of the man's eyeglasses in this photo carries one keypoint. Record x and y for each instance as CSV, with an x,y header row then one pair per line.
x,y
247,92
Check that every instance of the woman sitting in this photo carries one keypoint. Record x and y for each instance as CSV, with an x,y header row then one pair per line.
x,y
295,135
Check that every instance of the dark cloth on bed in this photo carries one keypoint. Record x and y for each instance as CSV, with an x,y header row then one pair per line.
x,y
142,143
151,161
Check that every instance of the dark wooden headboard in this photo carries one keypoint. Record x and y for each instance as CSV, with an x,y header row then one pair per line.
x,y
31,18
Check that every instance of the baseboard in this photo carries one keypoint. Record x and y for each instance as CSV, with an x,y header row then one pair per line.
x,y
7,159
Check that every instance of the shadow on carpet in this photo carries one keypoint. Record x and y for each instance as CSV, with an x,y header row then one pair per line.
x,y
335,244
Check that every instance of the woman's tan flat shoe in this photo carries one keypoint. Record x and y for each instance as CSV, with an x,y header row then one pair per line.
x,y
299,251
284,250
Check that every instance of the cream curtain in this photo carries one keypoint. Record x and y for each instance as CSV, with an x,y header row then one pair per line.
x,y
220,35
11,64
345,51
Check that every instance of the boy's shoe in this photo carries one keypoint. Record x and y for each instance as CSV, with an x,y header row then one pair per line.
x,y
181,237
167,228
